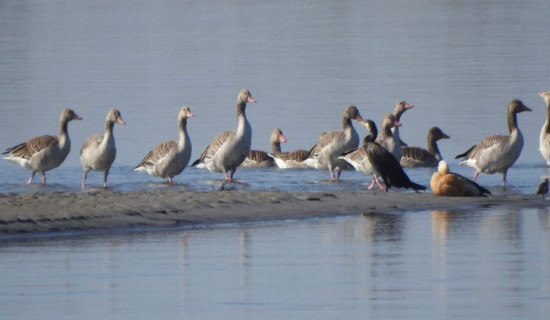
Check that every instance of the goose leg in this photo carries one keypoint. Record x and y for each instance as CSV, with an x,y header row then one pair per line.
x,y
84,178
105,174
169,180
475,176
331,173
30,179
43,177
504,182
338,174
375,178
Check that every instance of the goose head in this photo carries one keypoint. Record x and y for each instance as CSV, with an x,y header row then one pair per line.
x,y
516,106
114,116
245,97
277,136
389,121
436,134
351,112
400,108
185,112
68,115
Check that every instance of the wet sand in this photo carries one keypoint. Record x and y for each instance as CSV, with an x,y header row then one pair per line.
x,y
107,209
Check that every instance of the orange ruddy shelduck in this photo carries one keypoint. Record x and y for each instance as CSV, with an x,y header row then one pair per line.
x,y
448,184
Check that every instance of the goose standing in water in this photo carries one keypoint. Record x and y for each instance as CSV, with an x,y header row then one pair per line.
x,y
169,158
448,184
398,110
324,154
545,132
229,149
261,159
44,153
417,157
386,138
98,152
497,153
374,160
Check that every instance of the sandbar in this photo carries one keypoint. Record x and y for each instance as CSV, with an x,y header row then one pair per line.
x,y
97,210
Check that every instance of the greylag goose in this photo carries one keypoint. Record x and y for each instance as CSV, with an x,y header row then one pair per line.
x,y
290,160
545,132
169,158
44,153
417,157
261,159
98,152
398,110
229,149
374,160
497,153
448,184
386,138
324,154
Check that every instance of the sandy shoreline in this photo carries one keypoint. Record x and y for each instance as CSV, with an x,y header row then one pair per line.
x,y
105,210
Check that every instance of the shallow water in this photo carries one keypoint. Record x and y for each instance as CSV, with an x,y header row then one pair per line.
x,y
488,263
459,63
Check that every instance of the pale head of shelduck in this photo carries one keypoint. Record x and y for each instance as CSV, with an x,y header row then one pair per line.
x,y
443,168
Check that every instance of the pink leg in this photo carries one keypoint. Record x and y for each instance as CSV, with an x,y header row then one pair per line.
x,y
339,172
378,182
84,179
30,179
475,176
169,180
227,178
43,177
372,184
331,174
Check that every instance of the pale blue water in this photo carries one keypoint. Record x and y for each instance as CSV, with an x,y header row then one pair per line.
x,y
482,264
458,62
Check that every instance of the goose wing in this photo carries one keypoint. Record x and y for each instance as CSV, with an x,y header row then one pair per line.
x,y
326,140
155,155
214,147
488,144
27,149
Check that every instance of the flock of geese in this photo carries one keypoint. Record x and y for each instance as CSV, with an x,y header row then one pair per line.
x,y
381,154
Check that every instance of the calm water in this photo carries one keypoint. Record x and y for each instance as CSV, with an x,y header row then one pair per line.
x,y
487,264
458,62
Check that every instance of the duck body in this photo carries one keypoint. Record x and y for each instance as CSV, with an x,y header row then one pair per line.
x,y
229,149
170,158
447,184
99,151
324,154
545,132
414,157
497,153
44,153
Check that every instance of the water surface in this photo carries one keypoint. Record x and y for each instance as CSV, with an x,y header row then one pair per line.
x,y
486,264
459,63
